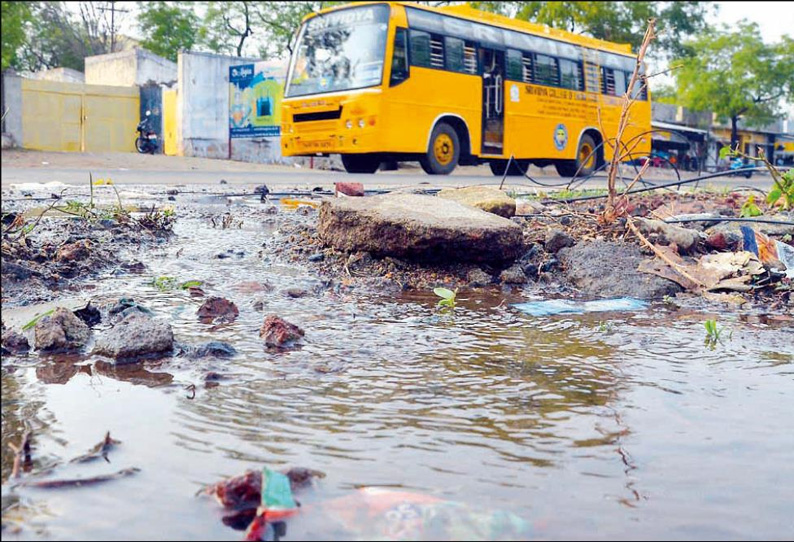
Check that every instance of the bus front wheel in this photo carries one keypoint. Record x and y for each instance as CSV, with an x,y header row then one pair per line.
x,y
361,163
585,163
443,153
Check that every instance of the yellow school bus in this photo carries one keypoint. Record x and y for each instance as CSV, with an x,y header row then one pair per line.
x,y
377,81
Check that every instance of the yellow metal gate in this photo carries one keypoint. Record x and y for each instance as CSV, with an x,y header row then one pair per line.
x,y
60,116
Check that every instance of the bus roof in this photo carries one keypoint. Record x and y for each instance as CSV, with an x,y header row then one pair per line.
x,y
465,11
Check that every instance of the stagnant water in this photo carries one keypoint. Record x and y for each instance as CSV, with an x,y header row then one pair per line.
x,y
619,425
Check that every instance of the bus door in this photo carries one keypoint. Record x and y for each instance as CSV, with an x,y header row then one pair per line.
x,y
493,116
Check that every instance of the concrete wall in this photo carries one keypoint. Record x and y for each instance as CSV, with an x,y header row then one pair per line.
x,y
134,67
63,75
12,102
203,105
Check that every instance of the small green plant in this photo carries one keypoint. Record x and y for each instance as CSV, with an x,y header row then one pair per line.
x,y
605,327
749,208
447,297
783,190
35,321
713,333
165,283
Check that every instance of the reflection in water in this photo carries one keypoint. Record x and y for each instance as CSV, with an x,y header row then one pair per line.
x,y
626,429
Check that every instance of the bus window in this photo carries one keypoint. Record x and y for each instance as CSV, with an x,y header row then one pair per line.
x,y
470,58
546,72
420,48
640,90
341,50
515,67
527,71
608,81
620,82
570,74
399,61
454,54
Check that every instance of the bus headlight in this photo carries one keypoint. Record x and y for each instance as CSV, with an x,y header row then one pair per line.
x,y
360,123
349,124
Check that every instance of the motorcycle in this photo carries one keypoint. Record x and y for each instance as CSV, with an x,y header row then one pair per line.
x,y
738,165
146,143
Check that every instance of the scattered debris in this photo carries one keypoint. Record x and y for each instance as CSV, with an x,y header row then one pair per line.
x,y
217,310
278,332
563,306
80,482
100,451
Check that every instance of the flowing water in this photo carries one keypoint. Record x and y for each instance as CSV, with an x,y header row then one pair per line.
x,y
612,425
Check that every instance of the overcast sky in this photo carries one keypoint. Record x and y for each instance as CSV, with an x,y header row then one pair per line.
x,y
774,18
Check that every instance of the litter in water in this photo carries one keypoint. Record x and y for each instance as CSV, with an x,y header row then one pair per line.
x,y
562,306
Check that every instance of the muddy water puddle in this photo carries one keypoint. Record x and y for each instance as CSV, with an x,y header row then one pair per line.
x,y
609,425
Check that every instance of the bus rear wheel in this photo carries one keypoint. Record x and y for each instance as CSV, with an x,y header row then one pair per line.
x,y
443,153
518,168
585,163
361,163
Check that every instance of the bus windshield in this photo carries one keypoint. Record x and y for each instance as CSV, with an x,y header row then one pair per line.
x,y
341,50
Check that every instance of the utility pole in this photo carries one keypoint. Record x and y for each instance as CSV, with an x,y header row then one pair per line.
x,y
112,9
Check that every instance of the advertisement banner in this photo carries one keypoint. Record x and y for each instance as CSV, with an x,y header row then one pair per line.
x,y
255,92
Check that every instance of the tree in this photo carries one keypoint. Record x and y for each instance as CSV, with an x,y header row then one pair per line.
x,y
168,27
227,26
737,76
16,15
63,37
621,22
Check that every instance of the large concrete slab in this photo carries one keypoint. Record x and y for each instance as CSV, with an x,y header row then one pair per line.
x,y
418,227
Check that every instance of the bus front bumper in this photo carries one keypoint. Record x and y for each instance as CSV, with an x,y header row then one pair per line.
x,y
309,144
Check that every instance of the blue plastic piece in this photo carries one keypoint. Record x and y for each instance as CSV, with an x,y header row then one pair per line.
x,y
562,306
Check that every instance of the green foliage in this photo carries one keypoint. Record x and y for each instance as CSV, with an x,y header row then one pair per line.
x,y
35,321
64,36
165,283
782,191
16,16
713,333
621,22
447,297
749,208
733,73
168,27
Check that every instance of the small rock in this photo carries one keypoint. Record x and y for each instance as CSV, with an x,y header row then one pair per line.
x,y
16,271
259,305
195,291
656,230
558,239
224,181
317,257
513,275
137,335
215,349
78,250
477,278
304,210
295,292
272,210
217,309
723,241
529,207
15,343
278,332
60,331
349,189
172,192
212,376
171,198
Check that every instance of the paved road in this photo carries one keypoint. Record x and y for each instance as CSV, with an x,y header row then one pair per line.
x,y
283,178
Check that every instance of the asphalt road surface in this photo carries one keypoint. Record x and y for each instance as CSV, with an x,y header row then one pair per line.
x,y
22,167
